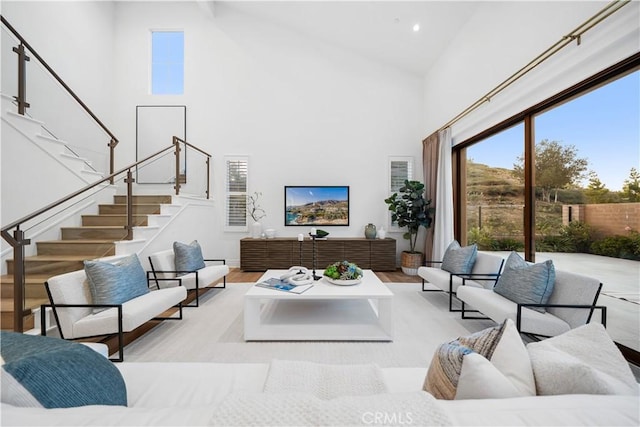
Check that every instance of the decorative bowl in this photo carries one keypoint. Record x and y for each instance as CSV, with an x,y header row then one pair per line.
x,y
341,282
321,234
343,273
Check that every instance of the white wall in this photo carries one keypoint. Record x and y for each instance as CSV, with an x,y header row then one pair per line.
x,y
185,227
305,112
76,40
481,58
20,182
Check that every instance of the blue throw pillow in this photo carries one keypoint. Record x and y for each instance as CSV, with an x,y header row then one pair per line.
x,y
526,283
116,283
53,373
459,260
188,257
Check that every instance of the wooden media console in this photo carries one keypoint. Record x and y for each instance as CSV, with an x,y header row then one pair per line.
x,y
284,252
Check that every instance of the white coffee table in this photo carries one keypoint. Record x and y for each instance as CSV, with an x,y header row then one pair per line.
x,y
326,312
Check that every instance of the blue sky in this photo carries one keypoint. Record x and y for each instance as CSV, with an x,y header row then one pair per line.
x,y
167,56
604,126
301,195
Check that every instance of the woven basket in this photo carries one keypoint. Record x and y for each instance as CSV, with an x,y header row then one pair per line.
x,y
411,262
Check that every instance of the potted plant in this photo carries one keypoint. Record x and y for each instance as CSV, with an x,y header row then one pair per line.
x,y
410,209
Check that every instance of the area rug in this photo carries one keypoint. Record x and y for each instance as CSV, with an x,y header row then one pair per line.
x,y
213,332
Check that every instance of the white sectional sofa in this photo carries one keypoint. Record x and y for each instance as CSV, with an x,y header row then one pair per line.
x,y
193,394
578,378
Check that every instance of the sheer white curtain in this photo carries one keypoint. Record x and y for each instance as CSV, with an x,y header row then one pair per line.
x,y
443,221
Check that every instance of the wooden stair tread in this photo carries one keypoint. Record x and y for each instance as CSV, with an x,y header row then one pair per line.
x,y
110,215
29,278
98,227
6,304
75,242
134,204
146,196
57,258
117,215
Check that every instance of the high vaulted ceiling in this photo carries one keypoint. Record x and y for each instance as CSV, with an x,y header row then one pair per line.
x,y
379,30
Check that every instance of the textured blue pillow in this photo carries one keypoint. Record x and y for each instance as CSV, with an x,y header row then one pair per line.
x,y
53,373
459,260
188,257
116,283
526,283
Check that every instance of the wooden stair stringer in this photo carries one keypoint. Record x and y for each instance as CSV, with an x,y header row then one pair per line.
x,y
17,122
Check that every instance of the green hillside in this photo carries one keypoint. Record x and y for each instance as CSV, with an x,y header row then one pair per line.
x,y
495,203
490,185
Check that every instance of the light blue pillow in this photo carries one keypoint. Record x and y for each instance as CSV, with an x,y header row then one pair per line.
x,y
459,260
526,283
116,283
54,373
188,257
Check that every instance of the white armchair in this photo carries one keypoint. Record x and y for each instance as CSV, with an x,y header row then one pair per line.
x,y
571,304
485,273
163,270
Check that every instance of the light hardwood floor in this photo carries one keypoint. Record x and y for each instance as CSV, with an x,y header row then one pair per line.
x,y
238,276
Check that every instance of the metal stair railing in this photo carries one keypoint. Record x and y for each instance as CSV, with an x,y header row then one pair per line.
x,y
21,97
18,239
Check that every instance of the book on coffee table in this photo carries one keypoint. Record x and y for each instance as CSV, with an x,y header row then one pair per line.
x,y
281,285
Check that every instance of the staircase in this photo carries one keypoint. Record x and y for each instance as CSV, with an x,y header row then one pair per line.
x,y
31,146
96,238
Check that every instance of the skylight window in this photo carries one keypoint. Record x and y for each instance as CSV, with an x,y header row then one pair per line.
x,y
167,62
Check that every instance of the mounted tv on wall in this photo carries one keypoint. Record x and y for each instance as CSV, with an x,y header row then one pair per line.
x,y
316,205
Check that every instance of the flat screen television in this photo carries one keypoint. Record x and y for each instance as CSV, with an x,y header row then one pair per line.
x,y
312,206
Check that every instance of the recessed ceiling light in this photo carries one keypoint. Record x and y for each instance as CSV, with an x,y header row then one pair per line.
x,y
416,27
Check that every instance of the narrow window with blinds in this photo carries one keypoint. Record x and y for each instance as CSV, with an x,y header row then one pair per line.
x,y
400,169
236,188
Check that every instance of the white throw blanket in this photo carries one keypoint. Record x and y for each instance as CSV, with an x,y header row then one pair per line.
x,y
311,394
324,381
278,409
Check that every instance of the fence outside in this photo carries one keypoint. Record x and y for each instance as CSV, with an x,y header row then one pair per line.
x,y
606,218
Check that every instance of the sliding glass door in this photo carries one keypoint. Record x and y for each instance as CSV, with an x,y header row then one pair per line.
x,y
582,209
587,206
494,192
